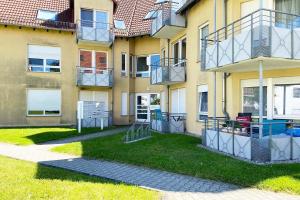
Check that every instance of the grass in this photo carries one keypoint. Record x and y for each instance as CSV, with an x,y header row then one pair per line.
x,y
27,136
180,154
25,180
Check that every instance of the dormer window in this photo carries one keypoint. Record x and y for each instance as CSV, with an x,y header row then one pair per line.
x,y
119,24
151,15
47,15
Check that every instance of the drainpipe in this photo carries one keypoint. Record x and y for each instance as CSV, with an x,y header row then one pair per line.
x,y
225,75
168,87
112,90
215,73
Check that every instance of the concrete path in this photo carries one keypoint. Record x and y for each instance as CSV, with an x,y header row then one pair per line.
x,y
51,144
173,186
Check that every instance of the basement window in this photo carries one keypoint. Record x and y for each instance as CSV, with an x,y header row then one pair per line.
x,y
47,15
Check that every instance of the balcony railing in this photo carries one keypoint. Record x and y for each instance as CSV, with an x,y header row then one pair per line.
x,y
263,33
168,71
94,77
167,22
280,140
92,31
168,122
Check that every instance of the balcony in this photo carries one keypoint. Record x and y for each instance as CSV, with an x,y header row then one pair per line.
x,y
89,32
168,122
168,71
166,22
92,77
264,35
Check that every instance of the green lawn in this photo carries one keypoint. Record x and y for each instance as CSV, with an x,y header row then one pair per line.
x,y
27,136
25,180
179,153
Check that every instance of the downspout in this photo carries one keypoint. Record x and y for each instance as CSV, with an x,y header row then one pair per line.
x,y
112,90
225,75
215,73
168,87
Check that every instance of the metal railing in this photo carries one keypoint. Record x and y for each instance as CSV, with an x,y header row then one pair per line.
x,y
95,31
168,122
165,15
280,141
168,71
265,32
138,131
94,77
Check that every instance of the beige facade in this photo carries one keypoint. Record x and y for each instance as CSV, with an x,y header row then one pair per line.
x,y
16,79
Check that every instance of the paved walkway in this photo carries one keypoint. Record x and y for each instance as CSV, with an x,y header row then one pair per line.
x,y
173,186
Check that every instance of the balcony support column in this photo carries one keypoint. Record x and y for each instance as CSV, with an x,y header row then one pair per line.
x,y
261,98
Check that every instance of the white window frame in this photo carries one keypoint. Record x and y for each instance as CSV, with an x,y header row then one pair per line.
x,y
142,73
202,89
44,66
200,38
179,47
44,111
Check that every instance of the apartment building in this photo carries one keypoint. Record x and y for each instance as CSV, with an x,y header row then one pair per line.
x,y
56,53
192,59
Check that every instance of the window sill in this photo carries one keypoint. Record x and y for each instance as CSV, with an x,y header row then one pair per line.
x,y
31,72
60,115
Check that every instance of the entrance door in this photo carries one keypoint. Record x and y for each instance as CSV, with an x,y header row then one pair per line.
x,y
246,9
145,103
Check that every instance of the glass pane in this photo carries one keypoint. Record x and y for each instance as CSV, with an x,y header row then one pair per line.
x,y
85,59
101,20
251,100
86,18
203,100
52,112
142,64
292,100
278,100
142,116
154,99
35,112
101,60
51,62
123,62
36,61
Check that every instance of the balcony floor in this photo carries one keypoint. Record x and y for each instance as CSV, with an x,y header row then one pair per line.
x,y
252,65
167,31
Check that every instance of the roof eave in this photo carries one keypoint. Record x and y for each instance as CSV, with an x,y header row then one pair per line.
x,y
189,4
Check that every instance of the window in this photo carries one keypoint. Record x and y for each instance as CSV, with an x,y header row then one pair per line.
x,y
251,100
43,102
43,58
47,15
287,100
203,32
287,6
119,24
178,101
124,104
131,65
203,102
151,15
179,51
142,69
96,19
123,64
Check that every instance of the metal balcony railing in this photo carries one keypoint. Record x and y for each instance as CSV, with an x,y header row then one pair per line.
x,y
166,15
94,115
168,122
94,77
168,71
95,32
280,141
263,33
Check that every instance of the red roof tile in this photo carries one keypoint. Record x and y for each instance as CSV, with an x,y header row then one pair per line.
x,y
24,13
133,13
